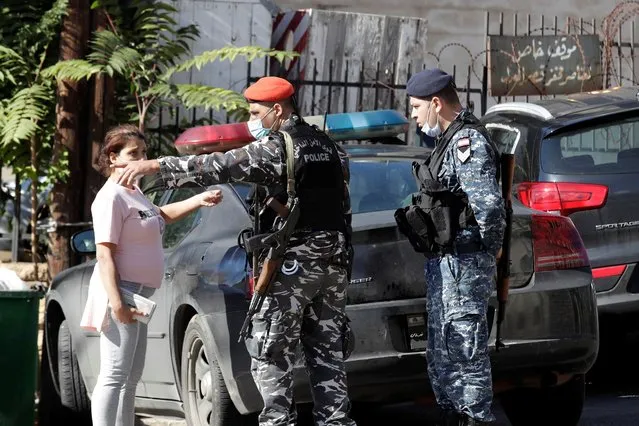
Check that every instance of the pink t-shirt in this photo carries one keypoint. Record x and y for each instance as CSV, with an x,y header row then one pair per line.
x,y
127,218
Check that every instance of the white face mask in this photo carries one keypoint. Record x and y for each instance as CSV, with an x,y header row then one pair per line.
x,y
434,131
257,129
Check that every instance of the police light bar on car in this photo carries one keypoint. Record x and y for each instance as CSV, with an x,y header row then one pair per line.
x,y
212,138
341,127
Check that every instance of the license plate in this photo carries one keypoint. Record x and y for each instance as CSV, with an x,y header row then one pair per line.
x,y
416,330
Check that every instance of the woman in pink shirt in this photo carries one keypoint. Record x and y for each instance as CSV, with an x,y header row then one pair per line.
x,y
128,234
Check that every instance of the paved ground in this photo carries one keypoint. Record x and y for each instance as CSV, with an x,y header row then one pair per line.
x,y
612,396
602,409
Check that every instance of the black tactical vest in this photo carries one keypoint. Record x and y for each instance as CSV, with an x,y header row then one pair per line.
x,y
319,180
437,214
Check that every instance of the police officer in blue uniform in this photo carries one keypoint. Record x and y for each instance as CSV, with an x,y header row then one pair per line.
x,y
457,220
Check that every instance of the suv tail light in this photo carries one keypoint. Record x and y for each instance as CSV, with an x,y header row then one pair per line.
x,y
562,197
608,271
557,244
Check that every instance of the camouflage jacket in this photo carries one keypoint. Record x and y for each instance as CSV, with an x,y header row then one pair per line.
x,y
470,165
262,162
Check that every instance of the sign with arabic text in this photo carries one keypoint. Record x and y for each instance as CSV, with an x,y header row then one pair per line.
x,y
544,65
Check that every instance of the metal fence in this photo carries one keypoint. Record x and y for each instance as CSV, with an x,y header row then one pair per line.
x,y
375,88
381,86
354,85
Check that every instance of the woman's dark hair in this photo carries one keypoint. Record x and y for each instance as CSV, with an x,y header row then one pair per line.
x,y
116,139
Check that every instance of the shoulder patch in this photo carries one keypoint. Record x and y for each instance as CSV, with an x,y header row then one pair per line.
x,y
463,142
463,149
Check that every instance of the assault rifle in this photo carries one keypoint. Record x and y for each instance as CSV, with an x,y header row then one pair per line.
x,y
507,164
276,244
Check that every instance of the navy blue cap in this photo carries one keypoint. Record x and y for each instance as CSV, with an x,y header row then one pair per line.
x,y
428,82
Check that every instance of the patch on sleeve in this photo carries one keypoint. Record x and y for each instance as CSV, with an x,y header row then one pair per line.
x,y
463,149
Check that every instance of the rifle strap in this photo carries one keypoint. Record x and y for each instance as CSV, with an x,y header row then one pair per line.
x,y
290,166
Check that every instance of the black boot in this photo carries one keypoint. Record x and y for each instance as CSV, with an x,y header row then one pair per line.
x,y
465,420
448,418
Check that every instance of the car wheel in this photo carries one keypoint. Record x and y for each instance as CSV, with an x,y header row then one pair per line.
x,y
73,394
559,405
204,393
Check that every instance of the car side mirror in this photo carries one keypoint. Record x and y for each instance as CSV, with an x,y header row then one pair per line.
x,y
83,242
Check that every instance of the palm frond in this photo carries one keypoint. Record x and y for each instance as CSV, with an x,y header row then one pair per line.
x,y
103,44
168,52
23,113
12,66
156,32
112,52
230,53
3,115
198,95
73,70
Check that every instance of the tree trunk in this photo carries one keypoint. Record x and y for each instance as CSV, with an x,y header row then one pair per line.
x,y
67,197
103,89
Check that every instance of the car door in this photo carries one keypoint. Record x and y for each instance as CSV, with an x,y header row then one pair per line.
x,y
158,380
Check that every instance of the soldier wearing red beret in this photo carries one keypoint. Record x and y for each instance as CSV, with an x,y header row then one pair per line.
x,y
306,301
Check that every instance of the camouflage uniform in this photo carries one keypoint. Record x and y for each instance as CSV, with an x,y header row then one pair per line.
x,y
306,301
459,285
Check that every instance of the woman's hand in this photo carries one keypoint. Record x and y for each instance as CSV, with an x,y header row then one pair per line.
x,y
125,314
210,198
176,211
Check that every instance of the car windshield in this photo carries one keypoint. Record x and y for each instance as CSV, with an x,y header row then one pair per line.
x,y
376,184
380,184
609,148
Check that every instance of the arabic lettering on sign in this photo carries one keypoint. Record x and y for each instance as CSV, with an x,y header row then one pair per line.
x,y
535,65
547,76
536,49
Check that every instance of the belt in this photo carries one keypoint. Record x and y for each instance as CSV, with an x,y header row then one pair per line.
x,y
457,249
341,259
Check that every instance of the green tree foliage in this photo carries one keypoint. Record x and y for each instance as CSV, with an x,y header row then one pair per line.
x,y
28,44
143,47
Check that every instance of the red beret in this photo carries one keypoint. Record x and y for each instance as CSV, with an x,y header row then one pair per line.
x,y
269,89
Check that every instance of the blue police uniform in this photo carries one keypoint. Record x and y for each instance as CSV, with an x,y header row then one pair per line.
x,y
460,283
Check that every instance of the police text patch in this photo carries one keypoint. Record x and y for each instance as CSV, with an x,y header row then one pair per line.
x,y
463,149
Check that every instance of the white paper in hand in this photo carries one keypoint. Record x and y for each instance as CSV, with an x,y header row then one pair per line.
x,y
141,303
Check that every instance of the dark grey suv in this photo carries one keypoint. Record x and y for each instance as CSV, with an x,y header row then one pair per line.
x,y
579,157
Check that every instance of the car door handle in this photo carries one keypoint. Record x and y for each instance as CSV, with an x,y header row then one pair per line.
x,y
169,273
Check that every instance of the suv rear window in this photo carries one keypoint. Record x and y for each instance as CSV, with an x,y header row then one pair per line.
x,y
608,148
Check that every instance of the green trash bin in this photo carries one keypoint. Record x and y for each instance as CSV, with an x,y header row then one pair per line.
x,y
18,356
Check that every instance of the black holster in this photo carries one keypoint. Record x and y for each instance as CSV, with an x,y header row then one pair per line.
x,y
435,217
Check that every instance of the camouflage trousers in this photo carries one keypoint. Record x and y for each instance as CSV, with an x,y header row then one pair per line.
x,y
458,289
306,304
